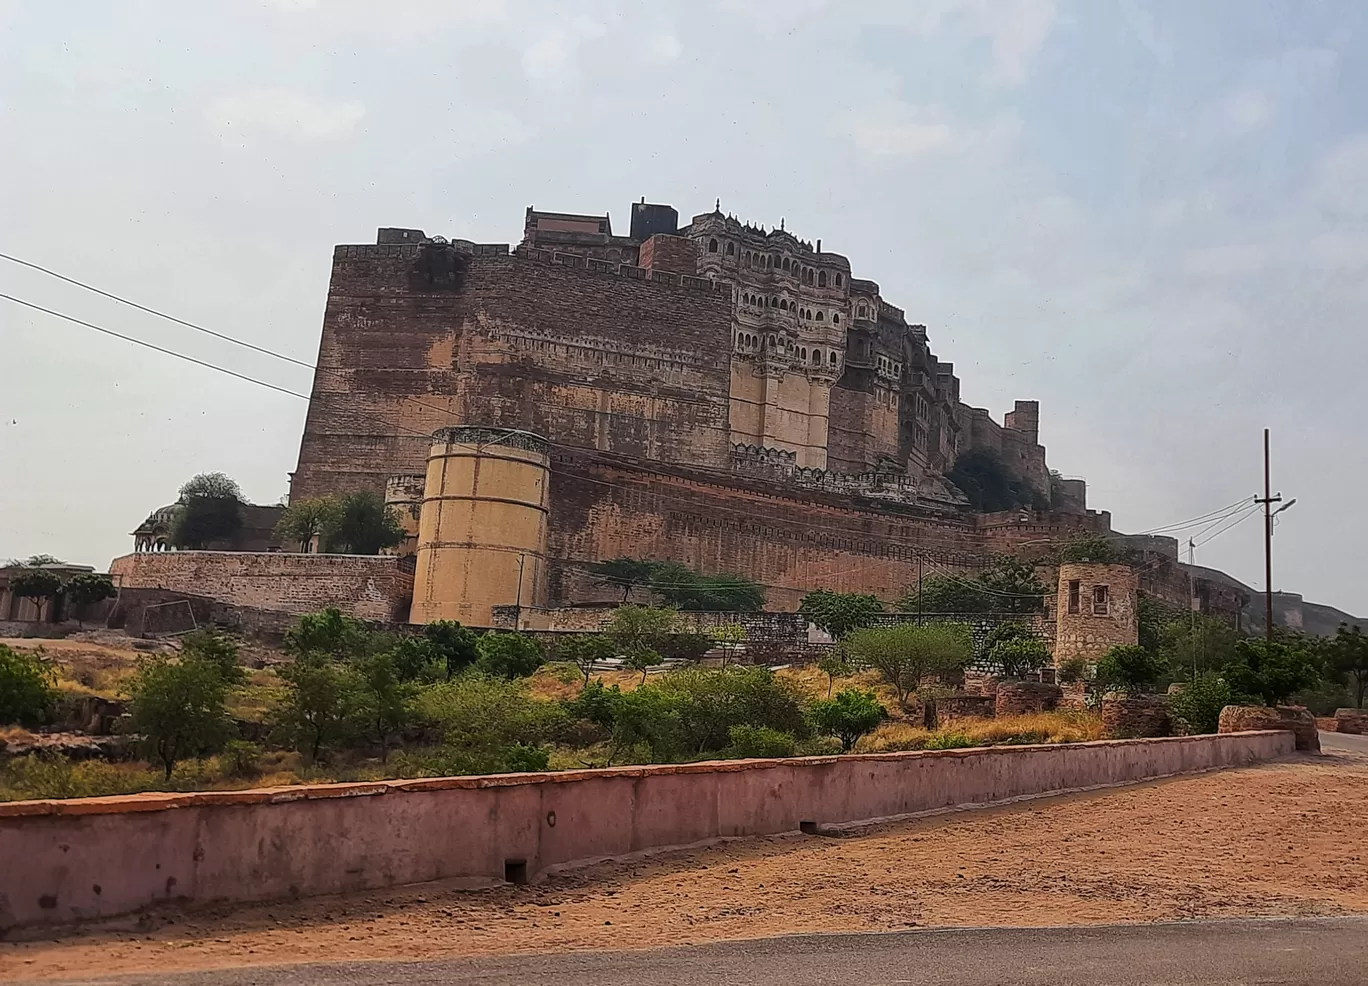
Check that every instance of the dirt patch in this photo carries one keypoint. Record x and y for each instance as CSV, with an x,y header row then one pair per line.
x,y
1280,839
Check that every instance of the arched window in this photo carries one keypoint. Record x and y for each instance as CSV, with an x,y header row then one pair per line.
x,y
731,249
838,280
833,352
712,246
821,317
836,319
803,354
863,312
783,305
821,279
774,302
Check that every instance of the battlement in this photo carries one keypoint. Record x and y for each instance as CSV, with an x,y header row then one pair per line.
x,y
782,465
663,278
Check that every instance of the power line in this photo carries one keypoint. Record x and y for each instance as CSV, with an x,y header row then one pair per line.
x,y
148,345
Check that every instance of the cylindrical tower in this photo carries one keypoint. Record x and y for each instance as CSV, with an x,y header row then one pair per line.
x,y
482,531
1098,609
404,499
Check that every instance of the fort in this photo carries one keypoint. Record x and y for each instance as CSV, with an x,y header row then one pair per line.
x,y
716,394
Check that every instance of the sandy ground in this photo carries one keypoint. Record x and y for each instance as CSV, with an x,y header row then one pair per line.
x,y
1279,839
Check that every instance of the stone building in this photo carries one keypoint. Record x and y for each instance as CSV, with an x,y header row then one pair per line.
x,y
257,532
1097,609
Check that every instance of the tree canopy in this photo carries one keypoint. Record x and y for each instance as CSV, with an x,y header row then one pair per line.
x,y
905,654
211,511
363,525
838,613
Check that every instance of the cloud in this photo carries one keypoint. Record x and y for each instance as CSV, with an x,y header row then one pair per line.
x,y
1246,111
1017,31
552,57
894,129
285,113
1340,182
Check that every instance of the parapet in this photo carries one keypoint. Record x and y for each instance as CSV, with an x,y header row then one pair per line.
x,y
390,235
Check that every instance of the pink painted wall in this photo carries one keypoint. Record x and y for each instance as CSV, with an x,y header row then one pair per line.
x,y
63,861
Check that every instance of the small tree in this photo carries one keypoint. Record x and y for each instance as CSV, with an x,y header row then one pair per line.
x,y
1272,672
624,573
363,525
383,699
1088,548
509,655
641,658
1347,655
633,627
211,511
217,649
904,655
88,589
585,650
1198,706
321,703
39,585
834,665
1012,586
848,716
731,638
303,521
1130,667
327,632
178,708
944,594
838,613
26,687
1017,649
454,645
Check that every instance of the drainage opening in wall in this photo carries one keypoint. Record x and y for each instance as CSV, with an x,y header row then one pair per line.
x,y
515,871
807,828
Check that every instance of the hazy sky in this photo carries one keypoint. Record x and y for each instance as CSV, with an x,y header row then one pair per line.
x,y
1150,216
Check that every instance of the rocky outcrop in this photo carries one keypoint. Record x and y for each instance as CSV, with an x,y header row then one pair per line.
x,y
1295,719
1351,721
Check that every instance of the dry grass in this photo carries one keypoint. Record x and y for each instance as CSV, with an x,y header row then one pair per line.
x,y
1044,727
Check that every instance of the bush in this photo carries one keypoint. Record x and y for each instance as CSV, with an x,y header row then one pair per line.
x,y
520,758
950,741
1197,708
904,655
1272,672
217,649
508,655
1017,649
26,687
1073,670
481,719
1130,667
848,716
328,632
239,758
178,708
760,743
321,706
838,613
704,704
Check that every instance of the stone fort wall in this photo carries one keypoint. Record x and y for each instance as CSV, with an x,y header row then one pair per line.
x,y
587,352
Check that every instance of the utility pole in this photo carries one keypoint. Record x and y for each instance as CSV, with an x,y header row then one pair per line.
x,y
920,557
1269,513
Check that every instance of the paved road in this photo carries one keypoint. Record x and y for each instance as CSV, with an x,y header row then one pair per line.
x,y
1344,743
1323,952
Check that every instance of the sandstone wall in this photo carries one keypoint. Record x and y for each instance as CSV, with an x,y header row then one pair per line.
x,y
583,351
790,540
368,587
99,857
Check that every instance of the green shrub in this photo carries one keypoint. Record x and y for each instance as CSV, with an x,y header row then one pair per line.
x,y
178,708
481,717
240,758
218,649
522,758
848,716
508,655
759,742
1130,667
949,741
1271,672
904,655
1197,708
1073,670
26,687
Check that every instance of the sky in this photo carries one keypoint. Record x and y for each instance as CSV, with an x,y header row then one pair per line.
x,y
1152,217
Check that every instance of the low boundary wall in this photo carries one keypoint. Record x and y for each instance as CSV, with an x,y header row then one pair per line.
x,y
64,861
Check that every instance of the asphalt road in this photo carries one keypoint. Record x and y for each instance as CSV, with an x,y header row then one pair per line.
x,y
1323,952
1344,743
